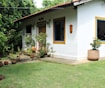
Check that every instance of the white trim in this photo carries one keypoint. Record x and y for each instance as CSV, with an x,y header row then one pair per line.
x,y
81,2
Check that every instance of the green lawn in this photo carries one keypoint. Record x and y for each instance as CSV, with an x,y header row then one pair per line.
x,y
53,75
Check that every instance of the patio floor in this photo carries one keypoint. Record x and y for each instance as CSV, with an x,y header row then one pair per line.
x,y
27,59
64,61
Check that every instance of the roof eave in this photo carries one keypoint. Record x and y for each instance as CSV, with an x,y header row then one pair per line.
x,y
81,2
44,11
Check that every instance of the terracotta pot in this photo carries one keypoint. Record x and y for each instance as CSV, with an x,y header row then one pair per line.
x,y
32,56
93,55
33,48
5,62
18,59
13,61
1,63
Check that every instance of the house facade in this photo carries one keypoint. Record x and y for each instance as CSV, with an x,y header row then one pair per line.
x,y
70,28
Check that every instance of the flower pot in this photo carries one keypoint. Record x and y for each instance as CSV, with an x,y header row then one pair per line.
x,y
48,55
93,55
1,63
32,56
33,48
13,61
5,62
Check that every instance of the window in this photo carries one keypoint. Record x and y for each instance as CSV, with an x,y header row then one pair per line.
x,y
59,31
100,28
28,29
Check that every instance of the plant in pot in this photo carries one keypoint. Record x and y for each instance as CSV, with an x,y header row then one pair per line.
x,y
28,39
41,38
93,54
13,58
33,46
30,53
6,63
1,63
30,42
48,49
42,53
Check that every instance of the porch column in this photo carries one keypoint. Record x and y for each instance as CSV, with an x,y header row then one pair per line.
x,y
23,39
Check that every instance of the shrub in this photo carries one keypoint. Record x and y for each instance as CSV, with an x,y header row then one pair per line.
x,y
3,40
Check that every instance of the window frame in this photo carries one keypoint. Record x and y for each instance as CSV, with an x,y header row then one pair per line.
x,y
55,41
96,19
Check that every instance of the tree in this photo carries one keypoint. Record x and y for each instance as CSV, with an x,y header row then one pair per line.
x,y
10,10
49,3
3,40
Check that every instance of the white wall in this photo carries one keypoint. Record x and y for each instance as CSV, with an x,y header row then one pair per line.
x,y
86,26
69,49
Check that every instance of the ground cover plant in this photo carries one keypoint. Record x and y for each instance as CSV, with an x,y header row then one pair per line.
x,y
53,75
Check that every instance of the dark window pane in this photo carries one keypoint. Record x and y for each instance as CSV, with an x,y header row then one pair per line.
x,y
28,29
59,29
101,29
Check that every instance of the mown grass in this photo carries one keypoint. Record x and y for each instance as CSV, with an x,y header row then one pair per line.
x,y
53,75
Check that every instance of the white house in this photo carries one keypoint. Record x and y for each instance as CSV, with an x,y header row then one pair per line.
x,y
70,27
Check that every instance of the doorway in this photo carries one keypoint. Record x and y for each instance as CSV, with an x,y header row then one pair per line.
x,y
42,29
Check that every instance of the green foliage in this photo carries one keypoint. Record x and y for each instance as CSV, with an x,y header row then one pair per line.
x,y
12,56
95,44
14,39
10,10
33,42
42,53
41,38
3,40
49,3
29,51
29,40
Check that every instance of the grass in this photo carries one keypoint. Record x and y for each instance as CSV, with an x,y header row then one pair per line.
x,y
53,75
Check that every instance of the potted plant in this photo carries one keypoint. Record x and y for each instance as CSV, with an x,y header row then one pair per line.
x,y
28,39
48,49
30,53
42,53
41,38
33,46
30,42
1,63
13,58
6,63
93,54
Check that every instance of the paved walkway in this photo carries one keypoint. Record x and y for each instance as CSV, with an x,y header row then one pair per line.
x,y
27,59
65,61
57,60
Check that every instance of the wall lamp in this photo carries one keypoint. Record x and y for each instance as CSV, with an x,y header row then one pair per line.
x,y
71,28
